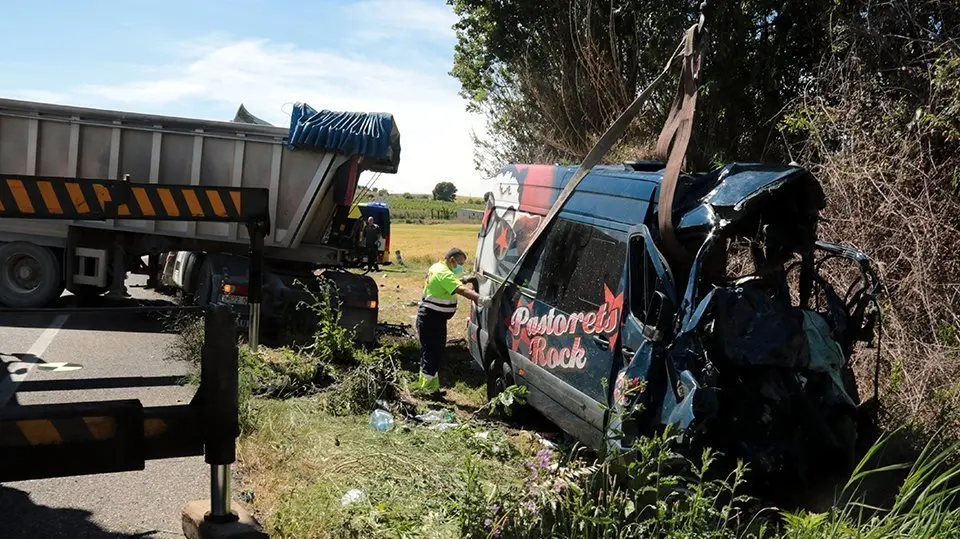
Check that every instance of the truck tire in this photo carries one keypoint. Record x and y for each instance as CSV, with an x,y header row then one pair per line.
x,y
191,271
203,281
30,275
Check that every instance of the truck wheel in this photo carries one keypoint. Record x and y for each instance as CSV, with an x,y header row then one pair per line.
x,y
30,275
204,283
190,273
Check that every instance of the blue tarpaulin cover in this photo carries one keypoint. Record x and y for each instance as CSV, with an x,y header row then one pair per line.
x,y
371,135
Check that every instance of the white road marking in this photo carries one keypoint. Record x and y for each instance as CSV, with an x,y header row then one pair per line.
x,y
19,370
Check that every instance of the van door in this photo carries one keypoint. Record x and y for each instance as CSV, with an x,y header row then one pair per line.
x,y
563,326
484,267
649,389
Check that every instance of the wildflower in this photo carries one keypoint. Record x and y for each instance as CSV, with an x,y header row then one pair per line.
x,y
530,506
495,508
487,523
545,457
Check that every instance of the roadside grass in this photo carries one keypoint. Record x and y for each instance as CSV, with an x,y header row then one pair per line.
x,y
301,461
306,442
465,384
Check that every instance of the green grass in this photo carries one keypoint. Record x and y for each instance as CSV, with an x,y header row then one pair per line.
x,y
299,456
423,210
300,462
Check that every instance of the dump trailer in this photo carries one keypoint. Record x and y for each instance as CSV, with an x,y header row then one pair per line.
x,y
310,170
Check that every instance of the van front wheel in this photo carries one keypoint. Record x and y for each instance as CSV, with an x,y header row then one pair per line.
x,y
499,378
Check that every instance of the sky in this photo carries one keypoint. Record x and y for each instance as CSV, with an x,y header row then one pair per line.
x,y
203,58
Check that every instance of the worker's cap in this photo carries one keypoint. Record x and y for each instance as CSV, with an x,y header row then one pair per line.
x,y
455,252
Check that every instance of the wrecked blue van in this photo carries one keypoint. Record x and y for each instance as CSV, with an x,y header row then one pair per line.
x,y
747,347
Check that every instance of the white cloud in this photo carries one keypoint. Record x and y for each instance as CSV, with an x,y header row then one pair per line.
x,y
267,77
391,18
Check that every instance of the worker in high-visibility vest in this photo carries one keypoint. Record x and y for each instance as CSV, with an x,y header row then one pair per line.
x,y
437,306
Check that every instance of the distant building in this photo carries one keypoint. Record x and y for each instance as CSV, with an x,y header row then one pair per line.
x,y
470,216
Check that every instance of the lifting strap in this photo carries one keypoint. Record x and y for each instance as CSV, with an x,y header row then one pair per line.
x,y
682,115
674,140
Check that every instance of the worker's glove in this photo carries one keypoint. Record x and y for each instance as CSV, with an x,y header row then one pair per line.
x,y
484,301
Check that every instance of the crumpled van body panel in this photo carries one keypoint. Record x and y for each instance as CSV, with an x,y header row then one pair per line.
x,y
736,346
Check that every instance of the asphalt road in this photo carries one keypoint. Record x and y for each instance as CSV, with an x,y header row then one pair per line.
x,y
131,504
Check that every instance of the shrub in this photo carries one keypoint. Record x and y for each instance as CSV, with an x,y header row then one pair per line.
x,y
660,494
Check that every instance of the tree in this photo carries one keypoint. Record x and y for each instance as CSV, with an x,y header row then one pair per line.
x,y
445,191
552,75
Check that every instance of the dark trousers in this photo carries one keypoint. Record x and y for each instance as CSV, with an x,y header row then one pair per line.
x,y
372,253
432,327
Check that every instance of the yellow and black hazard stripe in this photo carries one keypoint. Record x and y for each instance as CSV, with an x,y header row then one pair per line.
x,y
95,199
56,431
57,440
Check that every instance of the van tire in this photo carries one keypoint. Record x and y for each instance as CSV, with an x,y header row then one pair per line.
x,y
30,275
499,377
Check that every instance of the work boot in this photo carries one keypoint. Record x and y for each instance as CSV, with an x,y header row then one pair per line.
x,y
429,384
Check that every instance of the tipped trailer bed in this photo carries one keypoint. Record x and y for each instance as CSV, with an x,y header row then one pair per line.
x,y
310,170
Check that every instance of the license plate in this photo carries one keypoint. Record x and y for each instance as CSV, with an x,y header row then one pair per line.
x,y
235,300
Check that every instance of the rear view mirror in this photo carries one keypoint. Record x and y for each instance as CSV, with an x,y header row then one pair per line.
x,y
659,315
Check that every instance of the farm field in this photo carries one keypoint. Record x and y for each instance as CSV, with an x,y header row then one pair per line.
x,y
417,209
422,245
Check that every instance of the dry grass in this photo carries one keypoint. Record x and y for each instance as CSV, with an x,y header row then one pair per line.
x,y
886,151
422,245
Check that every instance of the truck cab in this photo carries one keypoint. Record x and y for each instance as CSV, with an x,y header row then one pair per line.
x,y
745,345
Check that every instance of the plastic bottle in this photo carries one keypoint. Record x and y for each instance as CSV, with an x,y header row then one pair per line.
x,y
381,420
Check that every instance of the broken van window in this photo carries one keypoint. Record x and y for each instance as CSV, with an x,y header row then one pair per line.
x,y
643,278
581,259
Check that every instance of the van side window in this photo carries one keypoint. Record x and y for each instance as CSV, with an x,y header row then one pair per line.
x,y
528,276
578,260
643,278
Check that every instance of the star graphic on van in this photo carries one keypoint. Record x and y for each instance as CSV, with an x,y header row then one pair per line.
x,y
502,241
523,337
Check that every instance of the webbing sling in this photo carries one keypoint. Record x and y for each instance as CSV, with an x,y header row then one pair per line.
x,y
677,130
689,50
